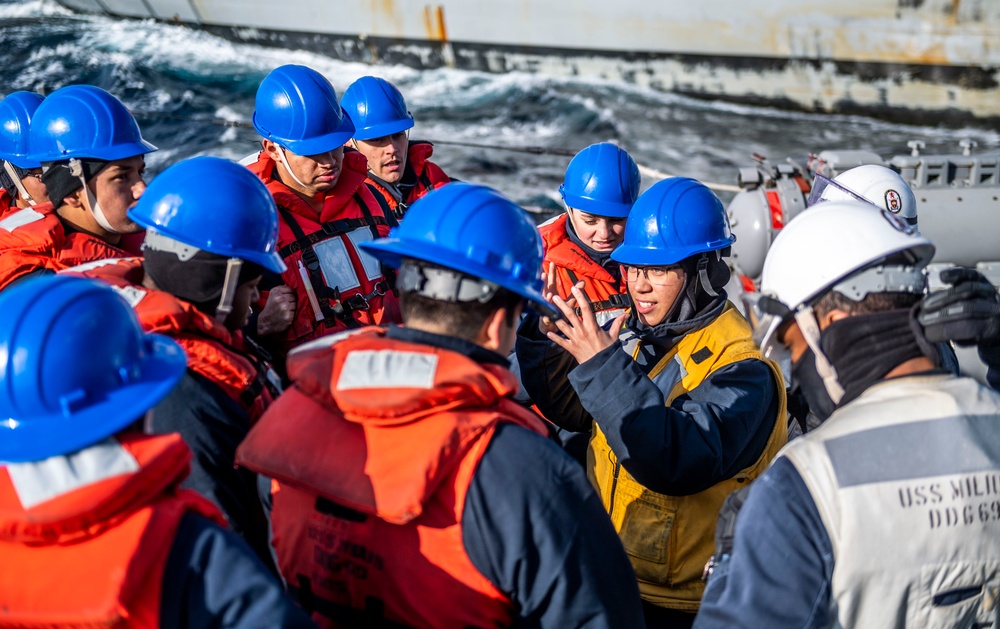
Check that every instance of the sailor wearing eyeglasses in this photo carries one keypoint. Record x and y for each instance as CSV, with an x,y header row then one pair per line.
x,y
681,406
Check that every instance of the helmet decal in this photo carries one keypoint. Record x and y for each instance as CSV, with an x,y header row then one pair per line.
x,y
893,202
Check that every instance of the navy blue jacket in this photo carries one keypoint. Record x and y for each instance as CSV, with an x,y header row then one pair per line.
x,y
702,438
213,580
781,569
212,426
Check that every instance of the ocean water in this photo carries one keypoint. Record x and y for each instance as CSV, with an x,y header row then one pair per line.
x,y
184,86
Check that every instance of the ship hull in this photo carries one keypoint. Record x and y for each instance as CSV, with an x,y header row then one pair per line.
x,y
914,60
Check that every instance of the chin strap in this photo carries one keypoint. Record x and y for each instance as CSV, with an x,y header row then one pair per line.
x,y
806,318
706,283
229,287
76,169
17,183
288,168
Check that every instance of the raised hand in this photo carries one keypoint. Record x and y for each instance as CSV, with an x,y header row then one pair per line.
x,y
581,335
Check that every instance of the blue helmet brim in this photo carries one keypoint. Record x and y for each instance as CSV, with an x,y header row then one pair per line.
x,y
45,437
382,130
392,250
596,207
109,154
312,146
650,256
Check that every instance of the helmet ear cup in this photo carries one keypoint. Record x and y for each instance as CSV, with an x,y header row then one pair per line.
x,y
75,366
84,122
179,205
602,179
674,219
16,112
296,107
473,230
376,107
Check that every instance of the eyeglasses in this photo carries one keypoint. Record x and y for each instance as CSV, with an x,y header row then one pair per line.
x,y
34,172
655,275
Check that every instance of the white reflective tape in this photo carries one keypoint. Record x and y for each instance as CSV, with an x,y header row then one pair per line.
x,y
96,264
338,271
40,481
380,369
607,315
132,294
17,219
372,267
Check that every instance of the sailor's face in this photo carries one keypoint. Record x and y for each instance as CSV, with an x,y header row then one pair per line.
x,y
319,173
246,295
32,183
386,155
653,301
791,337
600,233
118,187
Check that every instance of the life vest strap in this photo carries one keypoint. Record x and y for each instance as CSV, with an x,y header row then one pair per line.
x,y
391,216
329,229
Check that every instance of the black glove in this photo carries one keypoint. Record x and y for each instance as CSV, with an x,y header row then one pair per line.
x,y
968,313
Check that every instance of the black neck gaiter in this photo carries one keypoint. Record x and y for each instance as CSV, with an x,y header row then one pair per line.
x,y
863,349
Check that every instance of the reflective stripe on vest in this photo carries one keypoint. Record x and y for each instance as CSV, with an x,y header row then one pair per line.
x,y
40,481
21,218
88,543
670,538
906,479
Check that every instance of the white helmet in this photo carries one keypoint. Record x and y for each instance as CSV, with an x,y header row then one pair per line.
x,y
879,185
750,219
837,246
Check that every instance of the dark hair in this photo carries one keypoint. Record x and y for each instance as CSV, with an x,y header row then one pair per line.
x,y
873,302
463,319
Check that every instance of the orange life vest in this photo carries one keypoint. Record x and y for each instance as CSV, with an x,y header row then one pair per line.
x,y
35,238
212,351
607,295
85,537
386,437
429,177
351,287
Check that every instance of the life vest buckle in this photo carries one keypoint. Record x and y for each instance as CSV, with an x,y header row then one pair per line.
x,y
310,259
355,302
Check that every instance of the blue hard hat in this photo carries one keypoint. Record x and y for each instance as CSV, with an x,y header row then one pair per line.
x,y
16,112
215,205
674,219
297,109
75,367
603,180
376,107
473,230
83,121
